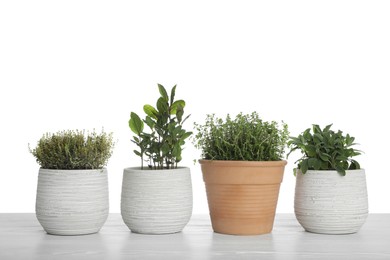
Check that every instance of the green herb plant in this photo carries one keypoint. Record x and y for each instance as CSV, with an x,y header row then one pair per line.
x,y
244,138
162,147
71,150
324,149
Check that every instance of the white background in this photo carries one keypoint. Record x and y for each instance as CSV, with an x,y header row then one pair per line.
x,y
88,64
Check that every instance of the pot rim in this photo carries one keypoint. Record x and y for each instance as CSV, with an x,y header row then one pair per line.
x,y
74,171
227,163
158,171
331,171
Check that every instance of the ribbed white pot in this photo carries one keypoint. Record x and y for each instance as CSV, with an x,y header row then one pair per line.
x,y
156,201
72,202
328,203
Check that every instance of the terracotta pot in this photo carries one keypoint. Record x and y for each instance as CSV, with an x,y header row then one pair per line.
x,y
156,201
242,195
72,202
328,203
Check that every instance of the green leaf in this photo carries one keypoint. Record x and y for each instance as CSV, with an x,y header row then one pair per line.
x,y
325,157
162,105
173,93
179,104
325,166
354,165
314,163
186,135
165,149
135,123
327,128
311,150
304,166
176,150
149,121
318,137
307,134
179,113
137,153
340,170
317,129
151,111
163,92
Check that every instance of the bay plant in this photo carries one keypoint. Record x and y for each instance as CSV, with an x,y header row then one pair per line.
x,y
161,147
324,149
73,150
245,137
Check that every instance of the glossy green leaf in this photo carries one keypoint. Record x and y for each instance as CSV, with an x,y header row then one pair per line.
x,y
179,104
173,93
186,135
162,105
354,165
163,92
135,123
150,122
150,111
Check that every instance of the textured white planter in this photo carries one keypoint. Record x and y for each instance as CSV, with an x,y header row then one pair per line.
x,y
328,203
72,202
156,201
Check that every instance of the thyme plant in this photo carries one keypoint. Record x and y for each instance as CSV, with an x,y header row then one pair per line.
x,y
244,138
162,147
71,150
324,149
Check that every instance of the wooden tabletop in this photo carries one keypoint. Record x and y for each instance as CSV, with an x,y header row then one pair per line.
x,y
21,237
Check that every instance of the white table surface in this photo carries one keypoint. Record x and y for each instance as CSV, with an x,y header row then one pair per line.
x,y
21,237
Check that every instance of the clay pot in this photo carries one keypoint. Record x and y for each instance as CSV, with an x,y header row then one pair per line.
x,y
72,202
156,201
242,195
328,203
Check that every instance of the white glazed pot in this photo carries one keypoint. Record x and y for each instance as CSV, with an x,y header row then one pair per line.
x,y
156,201
328,203
72,202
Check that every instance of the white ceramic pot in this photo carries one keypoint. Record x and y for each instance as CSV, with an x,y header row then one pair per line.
x,y
72,202
328,203
156,201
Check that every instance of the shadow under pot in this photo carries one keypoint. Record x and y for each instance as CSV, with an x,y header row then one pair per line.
x,y
328,203
72,202
156,201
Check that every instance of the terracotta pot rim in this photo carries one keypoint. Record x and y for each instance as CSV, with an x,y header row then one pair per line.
x,y
244,163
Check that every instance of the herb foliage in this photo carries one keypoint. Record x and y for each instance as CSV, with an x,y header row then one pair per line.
x,y
243,138
71,150
324,149
162,147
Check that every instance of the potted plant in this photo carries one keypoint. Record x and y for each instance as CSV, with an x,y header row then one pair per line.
x,y
72,193
157,197
331,191
242,169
